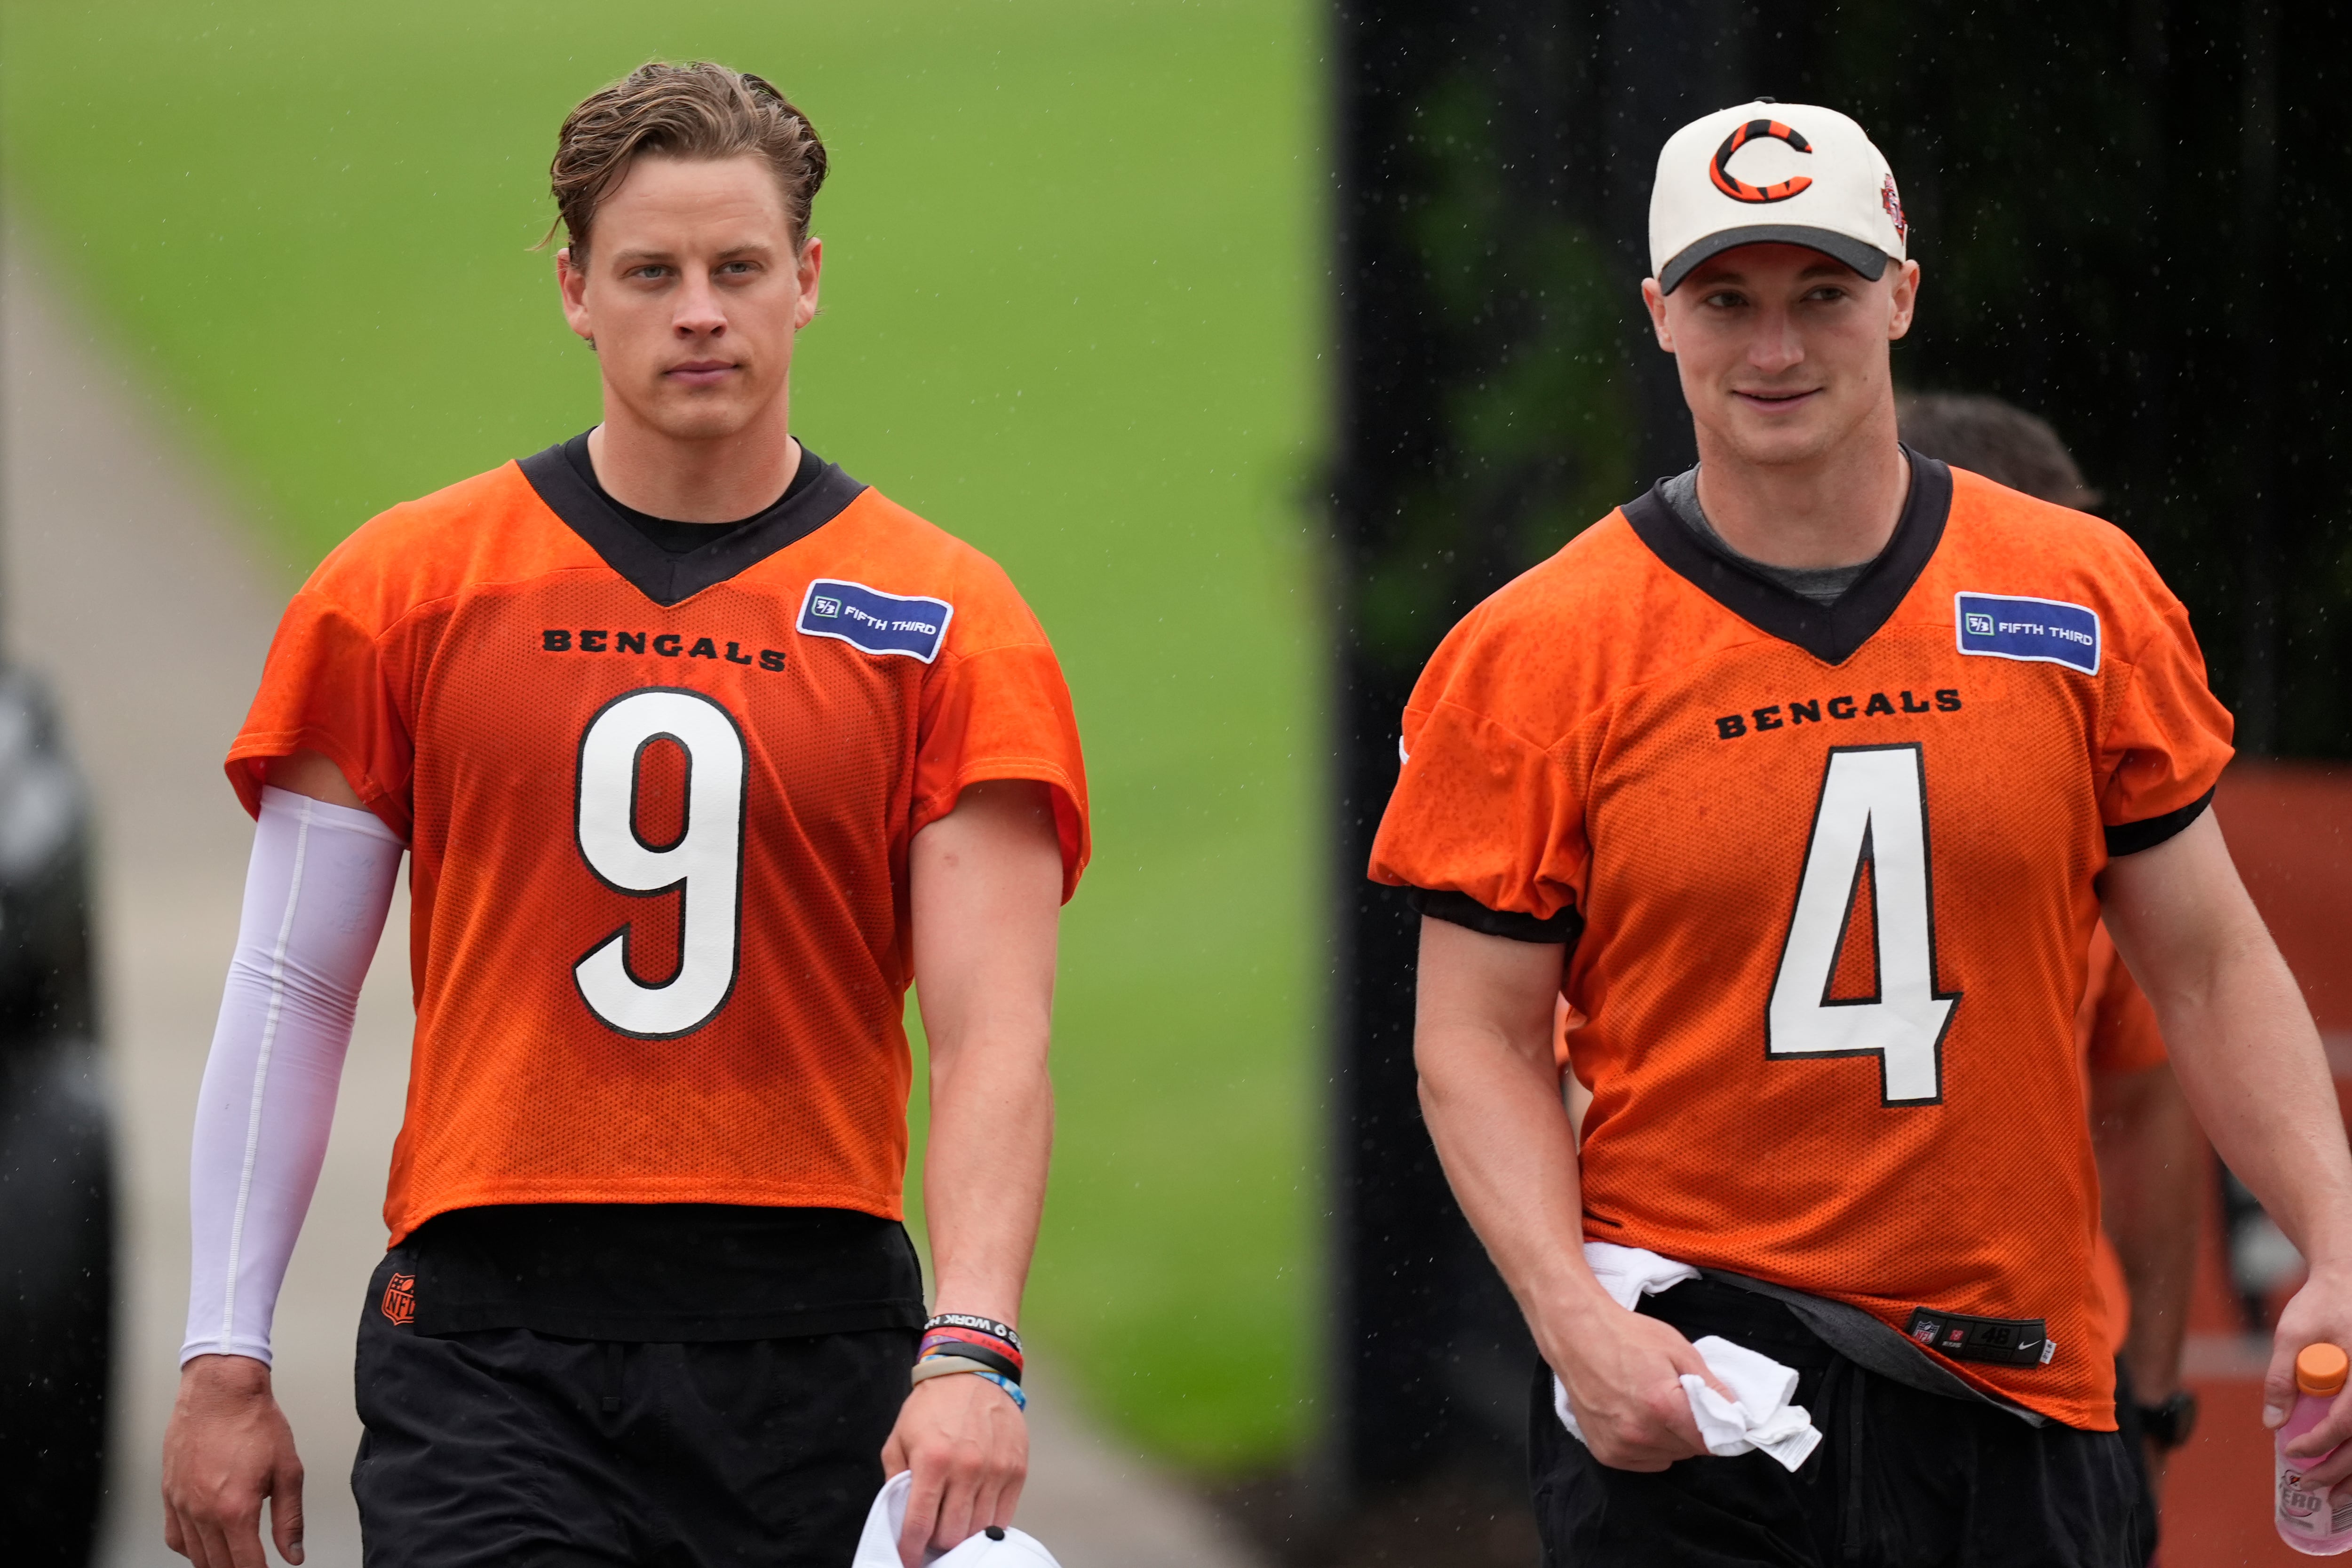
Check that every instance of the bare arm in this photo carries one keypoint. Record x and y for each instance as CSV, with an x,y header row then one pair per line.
x,y
2249,1061
987,892
1490,1092
2152,1174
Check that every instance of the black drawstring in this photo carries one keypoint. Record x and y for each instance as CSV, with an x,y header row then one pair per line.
x,y
611,1400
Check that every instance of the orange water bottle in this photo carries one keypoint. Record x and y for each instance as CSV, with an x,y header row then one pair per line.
x,y
2318,1522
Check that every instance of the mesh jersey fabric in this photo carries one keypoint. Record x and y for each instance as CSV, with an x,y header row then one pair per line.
x,y
1604,739
452,658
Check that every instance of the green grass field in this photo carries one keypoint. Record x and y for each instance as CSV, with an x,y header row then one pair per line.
x,y
1071,313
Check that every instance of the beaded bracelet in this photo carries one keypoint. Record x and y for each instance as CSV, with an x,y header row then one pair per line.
x,y
967,1321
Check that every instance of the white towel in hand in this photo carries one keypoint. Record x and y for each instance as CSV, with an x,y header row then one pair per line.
x,y
1629,1273
1761,1418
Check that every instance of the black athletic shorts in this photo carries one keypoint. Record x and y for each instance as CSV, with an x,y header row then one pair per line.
x,y
520,1449
1901,1479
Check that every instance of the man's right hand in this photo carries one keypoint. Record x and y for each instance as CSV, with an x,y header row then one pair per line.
x,y
1623,1374
228,1448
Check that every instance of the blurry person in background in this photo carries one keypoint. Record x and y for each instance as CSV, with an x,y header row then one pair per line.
x,y
2152,1157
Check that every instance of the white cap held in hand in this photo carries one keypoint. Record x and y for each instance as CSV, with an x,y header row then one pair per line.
x,y
1794,174
878,1546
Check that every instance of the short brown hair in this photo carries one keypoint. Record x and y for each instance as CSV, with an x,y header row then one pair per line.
x,y
1996,439
694,110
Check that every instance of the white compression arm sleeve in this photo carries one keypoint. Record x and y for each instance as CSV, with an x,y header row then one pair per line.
x,y
315,900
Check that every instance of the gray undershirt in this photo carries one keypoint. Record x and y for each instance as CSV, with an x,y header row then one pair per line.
x,y
1822,584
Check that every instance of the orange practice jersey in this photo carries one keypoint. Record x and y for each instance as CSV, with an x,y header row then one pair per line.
x,y
1828,873
659,810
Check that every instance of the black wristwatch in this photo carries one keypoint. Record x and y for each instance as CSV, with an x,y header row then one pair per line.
x,y
2168,1424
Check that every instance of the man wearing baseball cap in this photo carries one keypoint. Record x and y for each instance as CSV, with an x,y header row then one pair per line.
x,y
1804,778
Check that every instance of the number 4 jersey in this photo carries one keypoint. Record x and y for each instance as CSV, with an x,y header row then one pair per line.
x,y
659,807
1828,876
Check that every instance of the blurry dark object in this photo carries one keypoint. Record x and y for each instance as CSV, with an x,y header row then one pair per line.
x,y
2003,442
57,1198
2104,200
2260,1259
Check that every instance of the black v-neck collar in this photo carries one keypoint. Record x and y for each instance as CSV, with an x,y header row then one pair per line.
x,y
1830,632
666,578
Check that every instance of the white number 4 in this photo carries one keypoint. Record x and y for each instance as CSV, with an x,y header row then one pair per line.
x,y
1872,814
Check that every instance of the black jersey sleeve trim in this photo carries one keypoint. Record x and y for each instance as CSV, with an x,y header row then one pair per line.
x,y
666,580
1830,632
1461,909
2130,838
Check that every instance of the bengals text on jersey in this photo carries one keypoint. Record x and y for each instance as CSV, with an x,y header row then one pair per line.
x,y
658,808
1828,873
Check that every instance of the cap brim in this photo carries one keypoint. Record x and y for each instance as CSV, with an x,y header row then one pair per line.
x,y
1860,254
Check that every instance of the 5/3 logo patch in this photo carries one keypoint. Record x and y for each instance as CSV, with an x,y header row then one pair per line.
x,y
2036,631
874,622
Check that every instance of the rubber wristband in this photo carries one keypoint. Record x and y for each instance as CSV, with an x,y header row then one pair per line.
x,y
967,1321
942,1366
973,1338
949,1365
964,1350
978,1336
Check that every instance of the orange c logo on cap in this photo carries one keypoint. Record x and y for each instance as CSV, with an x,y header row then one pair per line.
x,y
1740,190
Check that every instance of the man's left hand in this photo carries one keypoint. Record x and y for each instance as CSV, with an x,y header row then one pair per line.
x,y
2321,1312
968,1444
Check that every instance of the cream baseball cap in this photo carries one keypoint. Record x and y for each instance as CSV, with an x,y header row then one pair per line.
x,y
878,1546
1792,172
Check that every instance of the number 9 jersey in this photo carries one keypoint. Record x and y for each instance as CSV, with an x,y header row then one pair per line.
x,y
659,807
1827,875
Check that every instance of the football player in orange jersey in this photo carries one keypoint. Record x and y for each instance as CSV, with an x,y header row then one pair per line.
x,y
1805,777
700,752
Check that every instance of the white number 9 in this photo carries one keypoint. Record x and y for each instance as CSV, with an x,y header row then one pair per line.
x,y
705,866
